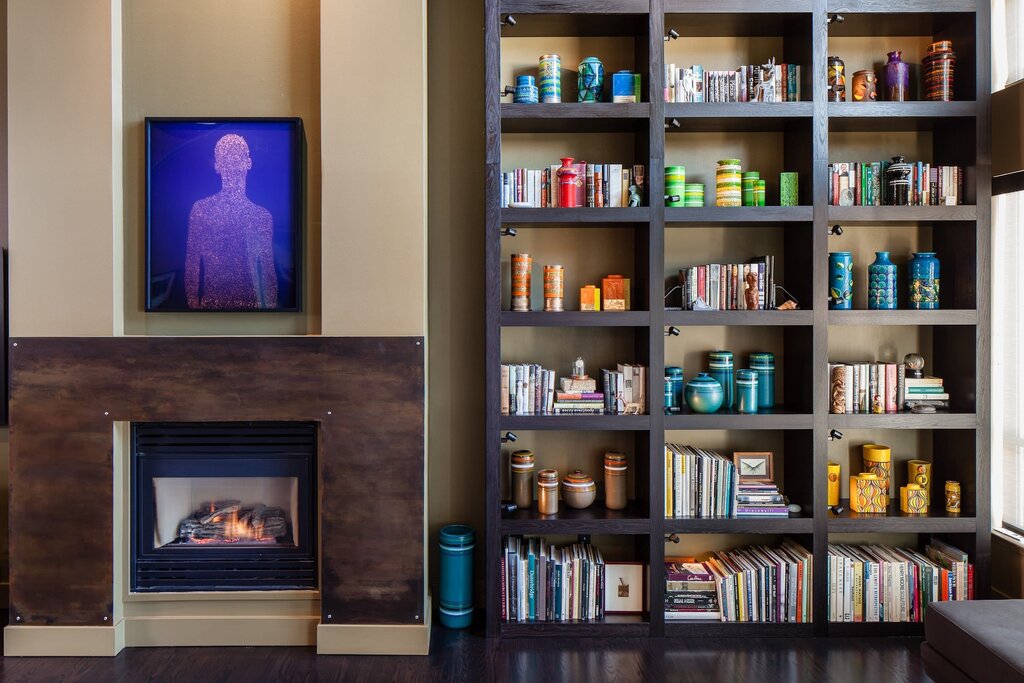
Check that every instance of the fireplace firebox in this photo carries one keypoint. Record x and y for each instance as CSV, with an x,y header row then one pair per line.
x,y
219,506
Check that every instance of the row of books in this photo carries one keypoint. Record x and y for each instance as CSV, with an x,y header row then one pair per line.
x,y
877,583
729,286
698,482
691,590
763,584
541,582
694,84
529,389
881,388
864,184
597,185
760,499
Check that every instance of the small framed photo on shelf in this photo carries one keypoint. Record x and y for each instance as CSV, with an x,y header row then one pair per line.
x,y
754,466
625,587
224,214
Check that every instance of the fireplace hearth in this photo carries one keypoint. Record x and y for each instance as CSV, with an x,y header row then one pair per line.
x,y
223,506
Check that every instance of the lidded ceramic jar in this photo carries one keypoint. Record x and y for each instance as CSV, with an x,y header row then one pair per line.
x,y
704,394
578,490
615,467
522,478
547,492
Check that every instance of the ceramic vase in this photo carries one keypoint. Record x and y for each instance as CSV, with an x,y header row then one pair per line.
x,y
897,78
924,281
897,182
590,84
882,282
675,385
704,394
720,368
526,90
836,80
567,184
939,65
746,391
763,363
840,281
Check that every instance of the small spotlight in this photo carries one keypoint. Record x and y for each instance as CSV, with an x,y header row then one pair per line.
x,y
509,20
836,18
672,331
672,34
509,90
509,437
671,198
835,230
835,435
672,538
508,232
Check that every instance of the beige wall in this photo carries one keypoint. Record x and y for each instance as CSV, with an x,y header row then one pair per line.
x,y
218,58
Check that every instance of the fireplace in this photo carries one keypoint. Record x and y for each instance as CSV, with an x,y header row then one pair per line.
x,y
223,506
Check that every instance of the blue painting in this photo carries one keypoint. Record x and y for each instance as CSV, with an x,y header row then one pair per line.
x,y
223,214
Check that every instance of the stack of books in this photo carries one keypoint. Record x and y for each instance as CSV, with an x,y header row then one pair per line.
x,y
694,84
540,582
723,286
625,389
597,185
760,499
690,591
863,184
876,583
698,482
764,584
925,391
578,396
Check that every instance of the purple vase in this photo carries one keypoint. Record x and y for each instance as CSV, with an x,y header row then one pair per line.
x,y
897,78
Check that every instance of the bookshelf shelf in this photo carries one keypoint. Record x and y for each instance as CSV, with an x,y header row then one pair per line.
x,y
576,319
740,318
937,317
800,136
895,521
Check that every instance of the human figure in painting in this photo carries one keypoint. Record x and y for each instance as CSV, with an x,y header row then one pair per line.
x,y
229,256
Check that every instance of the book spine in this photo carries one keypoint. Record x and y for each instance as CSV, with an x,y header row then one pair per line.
x,y
901,385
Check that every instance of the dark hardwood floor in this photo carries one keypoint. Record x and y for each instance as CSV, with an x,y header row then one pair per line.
x,y
467,656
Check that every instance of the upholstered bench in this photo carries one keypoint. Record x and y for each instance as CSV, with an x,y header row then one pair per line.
x,y
977,640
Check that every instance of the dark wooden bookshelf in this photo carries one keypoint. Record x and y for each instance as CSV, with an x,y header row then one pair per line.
x,y
960,134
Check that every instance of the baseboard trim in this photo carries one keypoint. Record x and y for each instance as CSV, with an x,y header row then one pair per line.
x,y
63,641
199,631
374,639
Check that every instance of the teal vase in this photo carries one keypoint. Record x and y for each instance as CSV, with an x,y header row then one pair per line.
x,y
924,280
882,282
704,394
590,84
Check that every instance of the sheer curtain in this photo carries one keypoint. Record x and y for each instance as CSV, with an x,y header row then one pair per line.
x,y
1007,319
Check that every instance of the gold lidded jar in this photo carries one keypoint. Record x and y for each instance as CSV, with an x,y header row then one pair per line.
x,y
547,492
578,490
522,478
615,466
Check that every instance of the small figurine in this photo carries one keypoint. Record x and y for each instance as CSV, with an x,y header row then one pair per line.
x,y
915,365
765,90
750,291
634,195
689,86
579,369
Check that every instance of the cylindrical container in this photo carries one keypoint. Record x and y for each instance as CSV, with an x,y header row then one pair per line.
x,y
554,288
547,492
522,479
913,499
840,280
550,79
746,391
590,83
669,396
833,484
882,282
953,497
789,188
456,559
897,78
748,182
578,490
675,185
763,363
865,86
522,265
728,190
615,466
704,394
694,196
623,87
567,184
759,193
590,298
920,472
836,80
878,461
526,90
939,65
924,280
720,367
897,181
674,374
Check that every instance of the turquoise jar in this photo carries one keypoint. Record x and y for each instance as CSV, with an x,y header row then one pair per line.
x,y
674,387
720,367
704,394
924,280
746,391
882,282
590,84
763,363
840,280
456,545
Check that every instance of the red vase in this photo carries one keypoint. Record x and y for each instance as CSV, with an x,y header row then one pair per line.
x,y
567,184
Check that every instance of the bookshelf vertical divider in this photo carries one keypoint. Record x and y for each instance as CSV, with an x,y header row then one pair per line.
x,y
961,229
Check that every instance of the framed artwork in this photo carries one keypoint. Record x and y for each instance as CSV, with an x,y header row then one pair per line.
x,y
625,587
224,214
754,467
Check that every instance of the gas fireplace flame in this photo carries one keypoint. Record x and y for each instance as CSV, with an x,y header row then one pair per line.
x,y
230,522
